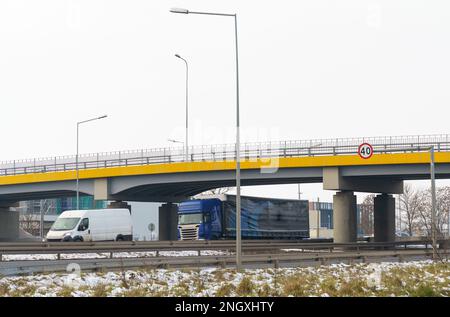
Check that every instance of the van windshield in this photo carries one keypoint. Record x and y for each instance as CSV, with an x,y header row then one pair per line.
x,y
188,219
65,224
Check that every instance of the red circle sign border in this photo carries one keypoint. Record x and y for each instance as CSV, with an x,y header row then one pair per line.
x,y
359,151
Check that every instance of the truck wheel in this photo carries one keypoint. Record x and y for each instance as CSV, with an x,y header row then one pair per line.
x,y
120,238
78,239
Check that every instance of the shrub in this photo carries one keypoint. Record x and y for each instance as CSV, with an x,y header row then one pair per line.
x,y
245,287
135,292
100,290
225,290
294,286
65,291
424,290
265,291
4,289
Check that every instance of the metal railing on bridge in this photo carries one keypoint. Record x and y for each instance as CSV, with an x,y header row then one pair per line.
x,y
249,151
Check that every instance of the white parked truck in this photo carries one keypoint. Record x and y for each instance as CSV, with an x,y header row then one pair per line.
x,y
92,225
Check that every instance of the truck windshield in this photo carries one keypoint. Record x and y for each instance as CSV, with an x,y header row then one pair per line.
x,y
188,219
65,224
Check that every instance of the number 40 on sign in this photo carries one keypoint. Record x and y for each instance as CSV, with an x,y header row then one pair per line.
x,y
365,151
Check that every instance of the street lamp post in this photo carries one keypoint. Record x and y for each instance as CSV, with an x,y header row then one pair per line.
x,y
41,219
298,185
318,219
329,221
78,173
448,224
433,202
175,141
187,85
238,152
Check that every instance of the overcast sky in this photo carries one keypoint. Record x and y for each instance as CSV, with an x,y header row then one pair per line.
x,y
308,69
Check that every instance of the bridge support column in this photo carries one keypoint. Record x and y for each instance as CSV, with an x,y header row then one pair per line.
x,y
384,218
9,224
344,215
101,189
119,204
168,222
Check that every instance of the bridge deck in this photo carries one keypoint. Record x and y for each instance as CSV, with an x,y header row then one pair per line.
x,y
269,165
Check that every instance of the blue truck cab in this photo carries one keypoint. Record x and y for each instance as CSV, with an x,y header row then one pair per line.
x,y
200,219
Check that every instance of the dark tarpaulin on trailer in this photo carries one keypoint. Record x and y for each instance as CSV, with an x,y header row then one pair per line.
x,y
264,216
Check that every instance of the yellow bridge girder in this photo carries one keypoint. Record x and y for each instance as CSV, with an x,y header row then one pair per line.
x,y
209,166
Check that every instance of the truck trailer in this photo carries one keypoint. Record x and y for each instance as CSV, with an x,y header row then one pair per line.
x,y
214,217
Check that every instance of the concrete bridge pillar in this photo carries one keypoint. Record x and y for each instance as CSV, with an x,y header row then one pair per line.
x,y
344,215
168,221
9,224
384,218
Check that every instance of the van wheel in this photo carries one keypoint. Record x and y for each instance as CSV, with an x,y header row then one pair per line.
x,y
120,238
78,239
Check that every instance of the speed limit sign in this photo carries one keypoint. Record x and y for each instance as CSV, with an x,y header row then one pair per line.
x,y
365,151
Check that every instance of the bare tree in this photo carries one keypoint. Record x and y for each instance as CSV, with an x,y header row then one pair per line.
x,y
411,208
366,215
415,211
443,207
442,210
28,223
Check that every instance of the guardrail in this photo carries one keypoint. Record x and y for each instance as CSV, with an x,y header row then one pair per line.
x,y
249,151
59,248
274,260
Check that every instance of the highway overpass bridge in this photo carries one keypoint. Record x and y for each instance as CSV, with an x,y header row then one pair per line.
x,y
164,175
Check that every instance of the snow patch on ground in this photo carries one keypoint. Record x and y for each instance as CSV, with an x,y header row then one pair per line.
x,y
70,256
374,279
309,250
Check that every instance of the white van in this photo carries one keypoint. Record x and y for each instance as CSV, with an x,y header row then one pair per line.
x,y
92,225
